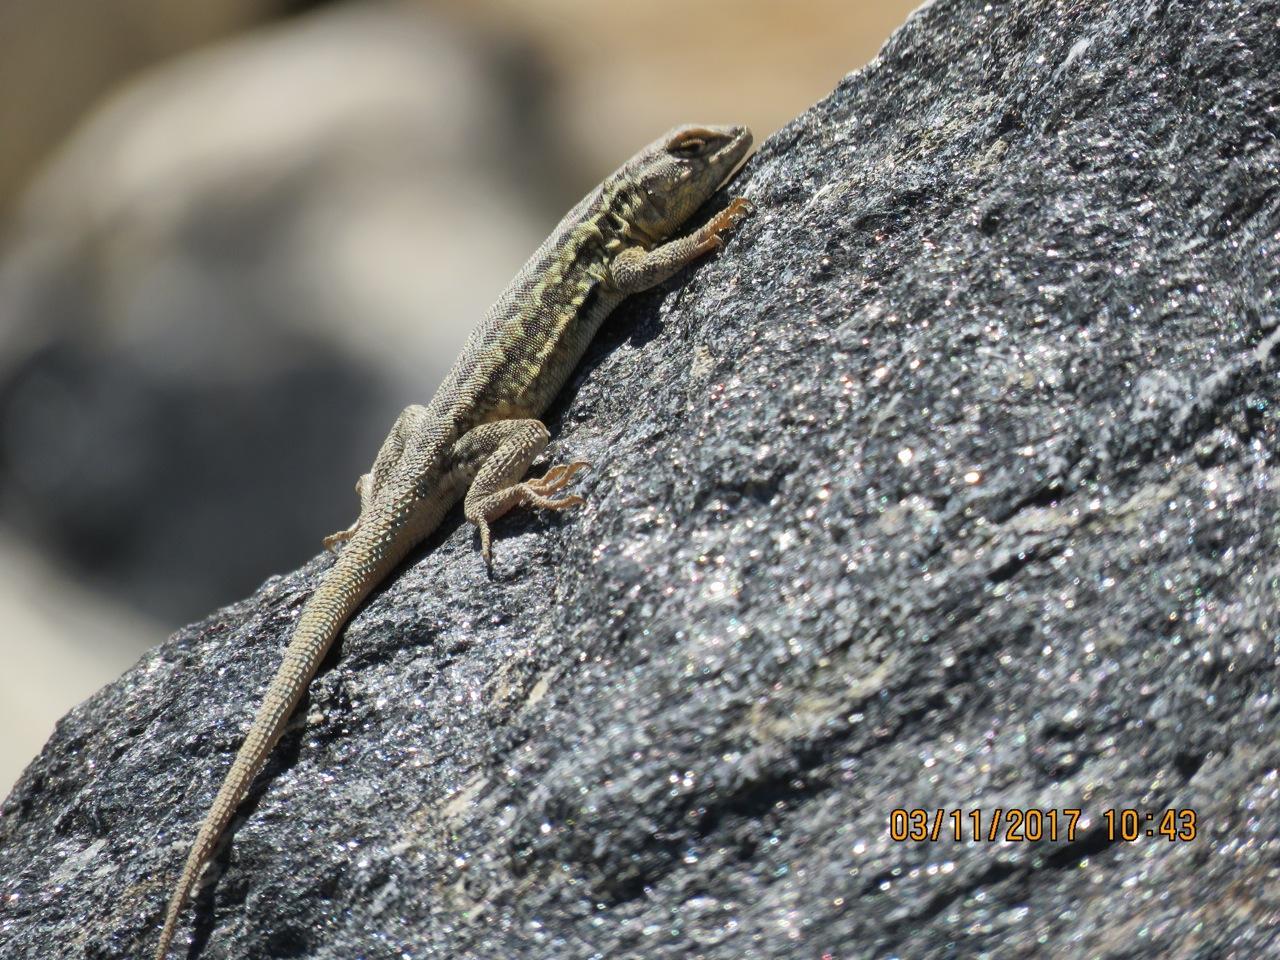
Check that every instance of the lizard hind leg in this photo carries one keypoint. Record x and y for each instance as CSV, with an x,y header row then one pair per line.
x,y
409,421
497,456
364,487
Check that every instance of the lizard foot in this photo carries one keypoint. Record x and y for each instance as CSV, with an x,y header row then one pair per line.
x,y
739,209
530,493
726,221
554,480
335,540
364,487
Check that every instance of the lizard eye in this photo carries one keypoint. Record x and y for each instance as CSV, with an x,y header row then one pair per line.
x,y
688,147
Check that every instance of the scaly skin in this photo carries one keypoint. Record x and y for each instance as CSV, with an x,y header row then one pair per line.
x,y
480,433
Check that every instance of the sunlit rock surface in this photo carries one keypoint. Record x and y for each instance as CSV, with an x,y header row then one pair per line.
x,y
949,485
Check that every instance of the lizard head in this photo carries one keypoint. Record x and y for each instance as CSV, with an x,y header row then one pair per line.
x,y
678,173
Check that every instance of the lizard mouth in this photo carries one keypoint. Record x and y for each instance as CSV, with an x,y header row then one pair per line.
x,y
734,154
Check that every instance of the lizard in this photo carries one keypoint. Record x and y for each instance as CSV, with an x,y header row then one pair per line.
x,y
481,431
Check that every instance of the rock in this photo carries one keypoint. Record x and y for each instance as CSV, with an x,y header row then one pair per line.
x,y
949,485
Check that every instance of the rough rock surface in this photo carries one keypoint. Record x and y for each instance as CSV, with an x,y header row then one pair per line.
x,y
950,484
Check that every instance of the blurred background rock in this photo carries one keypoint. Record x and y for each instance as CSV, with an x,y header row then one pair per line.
x,y
236,237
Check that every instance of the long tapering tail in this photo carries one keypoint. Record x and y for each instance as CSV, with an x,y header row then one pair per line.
x,y
362,564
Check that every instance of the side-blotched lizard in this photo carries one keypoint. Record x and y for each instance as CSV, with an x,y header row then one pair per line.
x,y
480,432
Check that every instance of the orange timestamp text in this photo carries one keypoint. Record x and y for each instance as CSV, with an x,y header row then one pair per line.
x,y
1031,824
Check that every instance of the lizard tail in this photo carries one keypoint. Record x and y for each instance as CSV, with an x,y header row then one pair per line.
x,y
357,570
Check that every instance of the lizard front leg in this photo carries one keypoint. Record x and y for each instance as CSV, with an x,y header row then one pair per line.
x,y
636,268
497,455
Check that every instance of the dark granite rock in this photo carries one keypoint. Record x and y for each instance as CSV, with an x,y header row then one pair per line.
x,y
951,484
